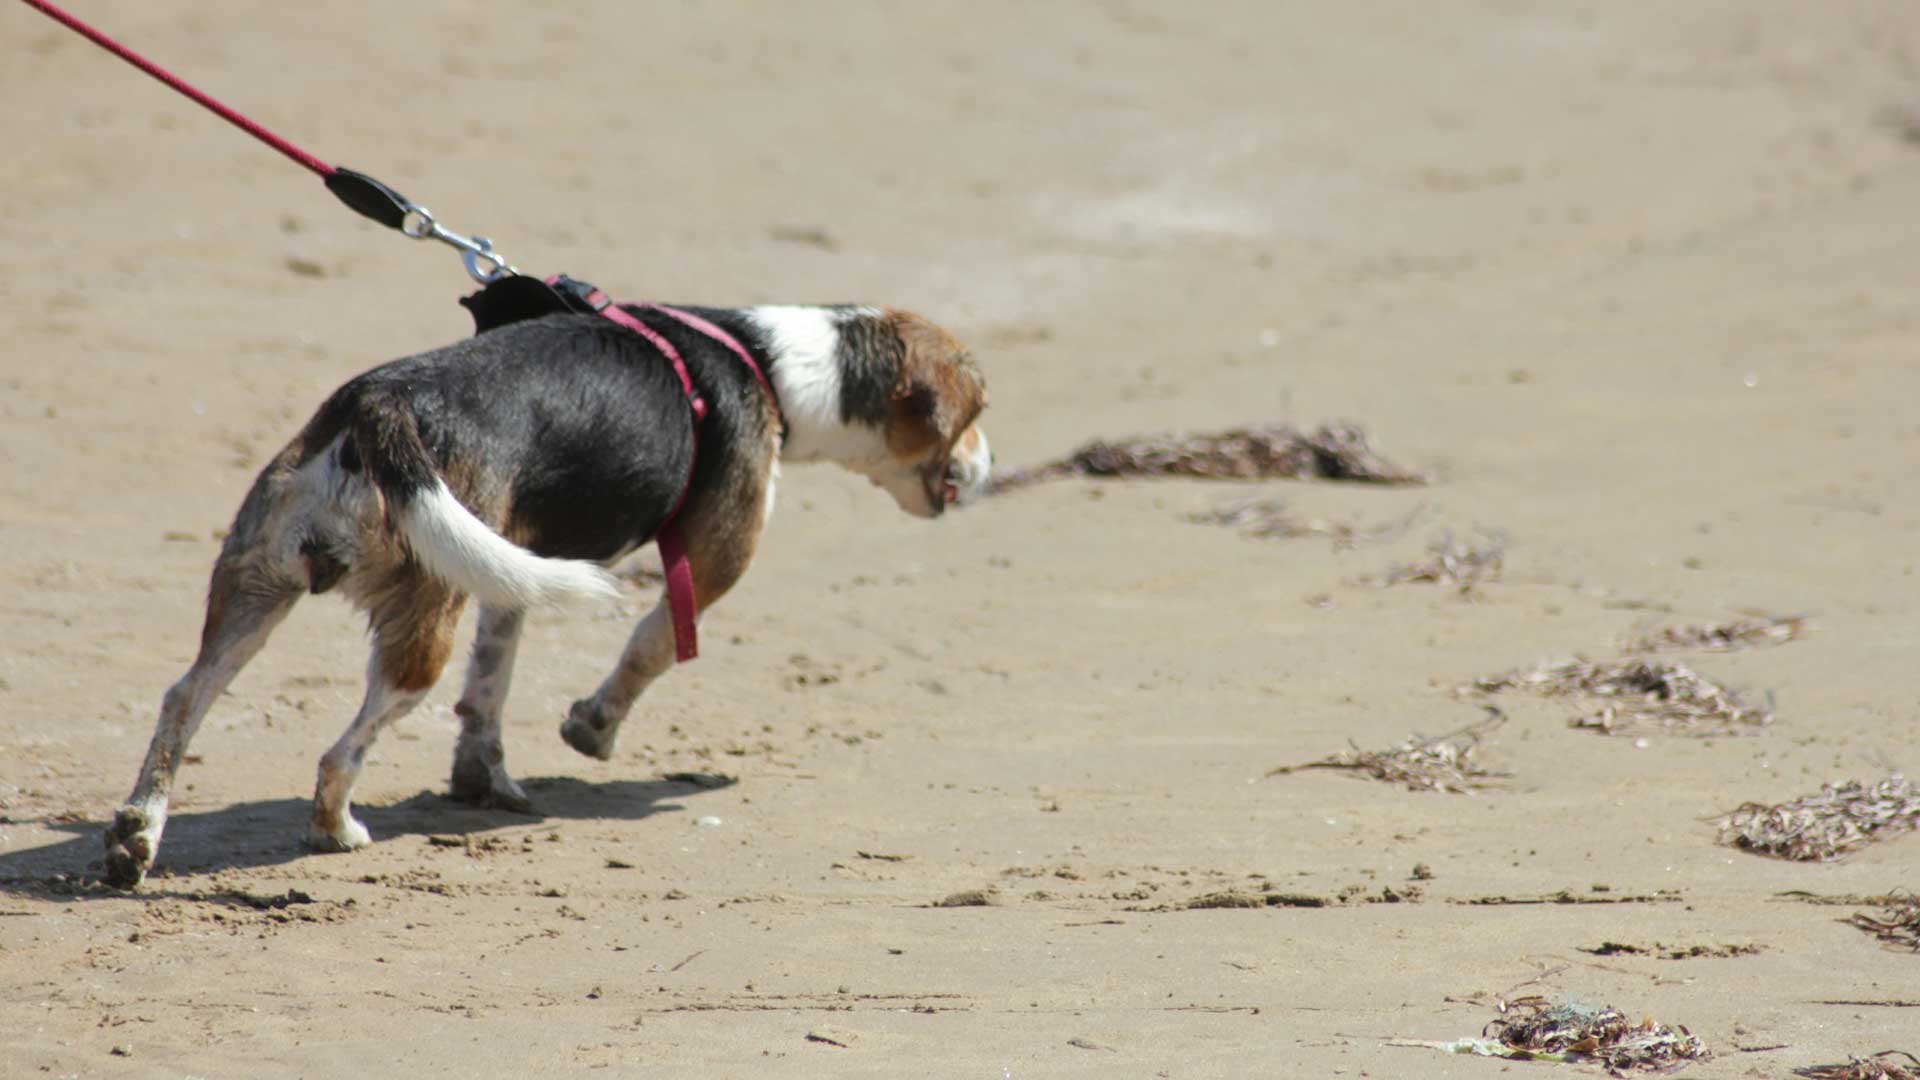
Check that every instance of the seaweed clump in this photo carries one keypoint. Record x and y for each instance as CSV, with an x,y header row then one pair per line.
x,y
1826,824
1722,637
1337,451
1451,563
1635,694
1881,1066
1897,924
1438,763
1532,1029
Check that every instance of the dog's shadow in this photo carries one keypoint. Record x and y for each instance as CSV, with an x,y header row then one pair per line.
x,y
271,832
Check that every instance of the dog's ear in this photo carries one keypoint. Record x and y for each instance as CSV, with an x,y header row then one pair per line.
x,y
913,420
938,391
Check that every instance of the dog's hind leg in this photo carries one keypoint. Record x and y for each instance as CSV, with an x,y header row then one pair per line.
x,y
247,598
479,759
413,637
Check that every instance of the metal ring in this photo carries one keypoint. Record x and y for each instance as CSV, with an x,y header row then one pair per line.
x,y
483,249
418,222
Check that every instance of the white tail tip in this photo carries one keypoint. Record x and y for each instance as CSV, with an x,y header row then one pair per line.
x,y
463,551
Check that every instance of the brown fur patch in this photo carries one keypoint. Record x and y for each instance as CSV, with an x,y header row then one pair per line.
x,y
419,666
414,632
940,392
913,423
722,524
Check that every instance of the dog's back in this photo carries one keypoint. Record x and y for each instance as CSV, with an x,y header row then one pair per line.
x,y
557,437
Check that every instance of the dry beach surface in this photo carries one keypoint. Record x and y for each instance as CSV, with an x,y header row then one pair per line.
x,y
1634,282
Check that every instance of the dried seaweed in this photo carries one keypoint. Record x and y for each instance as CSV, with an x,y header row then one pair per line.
x,y
1228,899
1451,563
1270,519
1636,694
1216,901
1530,1029
1568,896
987,897
1337,451
1604,1035
1441,763
1824,825
1672,952
1722,637
1802,896
1880,1066
1898,924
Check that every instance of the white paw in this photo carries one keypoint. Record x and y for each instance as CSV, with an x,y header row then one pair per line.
x,y
347,836
131,841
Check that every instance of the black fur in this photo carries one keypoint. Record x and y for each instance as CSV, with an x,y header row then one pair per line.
x,y
576,427
513,299
869,362
324,567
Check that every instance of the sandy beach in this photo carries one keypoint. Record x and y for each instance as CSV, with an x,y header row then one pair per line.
x,y
1632,283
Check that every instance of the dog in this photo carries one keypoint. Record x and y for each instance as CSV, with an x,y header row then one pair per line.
x,y
515,467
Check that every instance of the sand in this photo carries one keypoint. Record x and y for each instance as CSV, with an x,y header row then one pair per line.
x,y
1634,282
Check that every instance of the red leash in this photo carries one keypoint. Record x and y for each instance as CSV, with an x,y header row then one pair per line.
x,y
73,23
362,193
375,200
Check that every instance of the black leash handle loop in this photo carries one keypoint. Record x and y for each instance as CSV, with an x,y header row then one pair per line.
x,y
369,197
362,193
372,199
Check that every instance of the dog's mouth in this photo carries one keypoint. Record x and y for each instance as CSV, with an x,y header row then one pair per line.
x,y
940,494
948,482
946,486
942,489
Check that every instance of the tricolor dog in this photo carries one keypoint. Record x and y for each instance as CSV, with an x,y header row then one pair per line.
x,y
515,467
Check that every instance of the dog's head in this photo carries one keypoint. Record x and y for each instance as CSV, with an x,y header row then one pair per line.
x,y
881,392
937,453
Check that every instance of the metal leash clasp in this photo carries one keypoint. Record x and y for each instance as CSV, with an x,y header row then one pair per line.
x,y
419,224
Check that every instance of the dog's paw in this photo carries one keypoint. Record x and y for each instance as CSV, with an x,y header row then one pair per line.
x,y
489,789
587,731
510,798
129,850
347,836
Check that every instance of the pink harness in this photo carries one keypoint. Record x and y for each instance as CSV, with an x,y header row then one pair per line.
x,y
673,545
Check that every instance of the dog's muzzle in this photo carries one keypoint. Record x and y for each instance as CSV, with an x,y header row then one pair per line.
x,y
965,478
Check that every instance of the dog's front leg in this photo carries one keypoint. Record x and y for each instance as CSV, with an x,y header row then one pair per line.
x,y
593,722
722,531
479,758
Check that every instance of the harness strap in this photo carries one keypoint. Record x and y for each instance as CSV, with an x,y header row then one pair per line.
x,y
658,341
695,322
673,546
674,561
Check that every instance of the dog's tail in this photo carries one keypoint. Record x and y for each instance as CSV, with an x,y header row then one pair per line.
x,y
447,538
459,548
